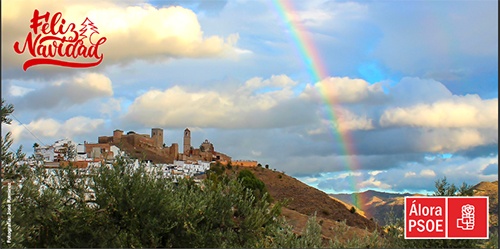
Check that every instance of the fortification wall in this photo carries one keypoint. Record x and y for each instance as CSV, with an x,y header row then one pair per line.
x,y
244,163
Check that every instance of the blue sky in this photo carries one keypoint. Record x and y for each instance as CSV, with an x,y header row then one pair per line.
x,y
415,85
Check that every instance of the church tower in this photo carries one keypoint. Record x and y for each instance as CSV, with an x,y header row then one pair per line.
x,y
187,141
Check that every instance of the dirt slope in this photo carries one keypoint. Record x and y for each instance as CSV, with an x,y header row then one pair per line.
x,y
308,200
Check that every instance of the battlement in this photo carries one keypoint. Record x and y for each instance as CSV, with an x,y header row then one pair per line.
x,y
245,163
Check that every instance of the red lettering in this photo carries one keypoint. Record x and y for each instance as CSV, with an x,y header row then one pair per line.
x,y
35,21
59,40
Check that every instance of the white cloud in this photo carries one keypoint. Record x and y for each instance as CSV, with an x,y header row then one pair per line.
x,y
111,106
310,179
317,14
468,111
344,120
19,91
347,120
48,129
342,90
345,175
427,173
282,81
371,183
410,174
256,153
452,140
375,172
178,107
64,93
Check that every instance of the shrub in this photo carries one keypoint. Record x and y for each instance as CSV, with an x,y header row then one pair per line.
x,y
250,181
352,210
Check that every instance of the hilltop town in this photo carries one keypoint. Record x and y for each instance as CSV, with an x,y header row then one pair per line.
x,y
142,147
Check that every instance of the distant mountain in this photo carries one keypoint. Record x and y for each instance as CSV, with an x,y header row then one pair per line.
x,y
378,205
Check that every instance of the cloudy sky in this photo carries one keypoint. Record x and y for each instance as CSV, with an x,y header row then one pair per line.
x,y
343,95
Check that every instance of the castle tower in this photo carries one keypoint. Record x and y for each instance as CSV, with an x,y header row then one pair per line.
x,y
157,136
117,136
187,141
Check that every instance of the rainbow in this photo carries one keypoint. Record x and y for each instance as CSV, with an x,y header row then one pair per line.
x,y
317,70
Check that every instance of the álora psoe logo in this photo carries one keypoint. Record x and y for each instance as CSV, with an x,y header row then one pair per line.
x,y
446,217
52,37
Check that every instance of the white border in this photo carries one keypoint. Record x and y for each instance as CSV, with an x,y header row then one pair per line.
x,y
446,216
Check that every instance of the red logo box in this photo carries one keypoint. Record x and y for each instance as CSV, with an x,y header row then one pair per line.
x,y
468,218
425,217
437,217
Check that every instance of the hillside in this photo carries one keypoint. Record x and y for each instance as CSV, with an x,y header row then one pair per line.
x,y
489,189
376,204
349,206
304,201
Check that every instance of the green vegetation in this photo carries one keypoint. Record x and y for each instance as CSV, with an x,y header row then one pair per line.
x,y
216,170
352,210
251,182
133,208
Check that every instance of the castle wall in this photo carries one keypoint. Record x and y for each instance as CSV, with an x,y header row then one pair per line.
x,y
244,163
153,146
174,150
104,139
222,157
139,140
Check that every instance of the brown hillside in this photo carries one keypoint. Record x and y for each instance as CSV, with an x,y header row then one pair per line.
x,y
308,200
349,206
329,229
489,189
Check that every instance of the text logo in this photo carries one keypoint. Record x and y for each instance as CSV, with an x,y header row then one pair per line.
x,y
446,217
52,37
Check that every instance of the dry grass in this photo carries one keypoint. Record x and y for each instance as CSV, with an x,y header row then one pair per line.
x,y
337,222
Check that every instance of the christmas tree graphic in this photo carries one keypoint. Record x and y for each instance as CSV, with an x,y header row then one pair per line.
x,y
88,29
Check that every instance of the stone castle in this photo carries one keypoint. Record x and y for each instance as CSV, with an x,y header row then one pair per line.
x,y
152,147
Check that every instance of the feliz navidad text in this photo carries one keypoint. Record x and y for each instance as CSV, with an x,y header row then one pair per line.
x,y
52,37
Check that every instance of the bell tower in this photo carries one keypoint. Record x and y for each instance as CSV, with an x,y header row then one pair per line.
x,y
187,141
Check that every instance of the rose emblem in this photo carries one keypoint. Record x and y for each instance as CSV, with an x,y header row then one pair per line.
x,y
467,209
